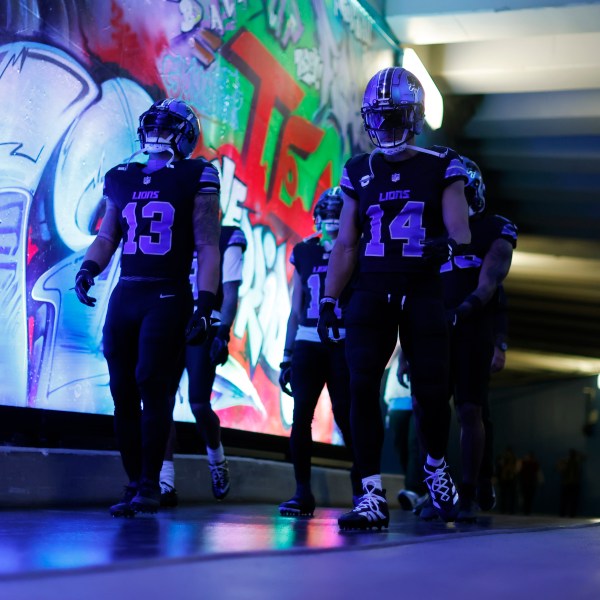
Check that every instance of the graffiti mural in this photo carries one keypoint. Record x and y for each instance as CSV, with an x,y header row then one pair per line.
x,y
277,86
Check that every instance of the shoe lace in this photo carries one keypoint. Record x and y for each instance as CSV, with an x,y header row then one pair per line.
x,y
440,482
369,501
219,474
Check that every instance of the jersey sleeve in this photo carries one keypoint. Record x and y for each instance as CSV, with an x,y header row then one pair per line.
x,y
238,238
508,231
209,180
455,169
233,264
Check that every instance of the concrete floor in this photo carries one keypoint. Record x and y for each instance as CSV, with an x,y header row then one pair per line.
x,y
247,551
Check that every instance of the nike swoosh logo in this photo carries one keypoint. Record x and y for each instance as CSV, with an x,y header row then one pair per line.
x,y
167,295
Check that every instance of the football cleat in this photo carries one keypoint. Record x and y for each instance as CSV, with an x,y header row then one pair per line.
x,y
442,491
147,500
123,507
371,511
219,474
168,495
300,505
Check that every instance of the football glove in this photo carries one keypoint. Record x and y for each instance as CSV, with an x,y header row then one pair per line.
x,y
219,351
197,328
469,306
437,251
84,280
328,326
285,377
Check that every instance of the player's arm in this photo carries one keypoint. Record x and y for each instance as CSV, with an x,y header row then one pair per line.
x,y
455,213
285,373
494,269
99,253
232,278
294,318
345,252
207,229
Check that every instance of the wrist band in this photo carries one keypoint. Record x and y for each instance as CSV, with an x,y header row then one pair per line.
x,y
287,355
91,266
328,300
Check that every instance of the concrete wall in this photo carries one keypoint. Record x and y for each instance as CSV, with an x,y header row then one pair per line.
x,y
50,477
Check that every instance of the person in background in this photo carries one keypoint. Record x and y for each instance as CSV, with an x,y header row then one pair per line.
x,y
201,362
160,212
308,364
471,284
404,215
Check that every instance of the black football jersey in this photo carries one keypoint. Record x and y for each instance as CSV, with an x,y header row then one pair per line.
x,y
400,207
461,276
155,213
310,258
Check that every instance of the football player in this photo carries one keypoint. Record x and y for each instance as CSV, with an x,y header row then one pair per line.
x,y
471,292
201,363
308,364
404,214
160,212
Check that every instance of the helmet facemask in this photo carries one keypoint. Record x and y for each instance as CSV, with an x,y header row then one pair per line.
x,y
169,126
327,212
393,109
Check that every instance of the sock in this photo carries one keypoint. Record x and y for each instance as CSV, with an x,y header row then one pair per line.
x,y
167,473
215,456
374,480
435,462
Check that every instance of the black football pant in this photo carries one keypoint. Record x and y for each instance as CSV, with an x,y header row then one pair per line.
x,y
201,375
314,365
143,342
373,322
471,352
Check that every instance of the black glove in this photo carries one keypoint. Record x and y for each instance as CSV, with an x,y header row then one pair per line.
x,y
328,325
469,306
437,251
285,377
84,280
219,350
197,329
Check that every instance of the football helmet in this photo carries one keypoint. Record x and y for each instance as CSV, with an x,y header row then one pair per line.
x,y
328,209
169,125
393,108
474,188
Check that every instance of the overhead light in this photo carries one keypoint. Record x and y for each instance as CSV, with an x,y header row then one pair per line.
x,y
434,103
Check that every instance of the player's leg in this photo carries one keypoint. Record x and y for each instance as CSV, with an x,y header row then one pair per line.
x,y
338,384
120,336
201,377
371,334
308,379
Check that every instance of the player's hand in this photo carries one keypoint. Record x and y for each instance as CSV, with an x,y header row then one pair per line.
x,y
285,377
438,251
328,326
196,331
197,328
83,282
498,360
219,351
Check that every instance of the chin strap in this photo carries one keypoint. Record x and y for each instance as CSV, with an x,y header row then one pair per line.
x,y
146,151
401,148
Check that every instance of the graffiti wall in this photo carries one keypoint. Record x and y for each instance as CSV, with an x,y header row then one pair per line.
x,y
277,85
